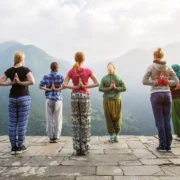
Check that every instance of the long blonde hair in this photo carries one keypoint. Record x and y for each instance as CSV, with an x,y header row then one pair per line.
x,y
79,58
18,57
159,53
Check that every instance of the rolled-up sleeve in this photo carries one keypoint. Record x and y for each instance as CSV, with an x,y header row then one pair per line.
x,y
43,82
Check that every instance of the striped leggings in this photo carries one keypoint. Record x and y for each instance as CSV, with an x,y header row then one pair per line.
x,y
18,119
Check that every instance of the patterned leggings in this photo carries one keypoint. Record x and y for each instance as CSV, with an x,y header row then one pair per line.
x,y
81,121
18,118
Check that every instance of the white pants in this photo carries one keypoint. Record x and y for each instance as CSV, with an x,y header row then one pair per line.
x,y
53,118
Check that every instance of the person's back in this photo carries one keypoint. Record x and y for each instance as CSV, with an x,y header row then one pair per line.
x,y
81,73
80,103
154,71
160,77
19,101
52,85
57,79
18,90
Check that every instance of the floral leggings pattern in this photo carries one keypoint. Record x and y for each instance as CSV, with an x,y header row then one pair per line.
x,y
81,121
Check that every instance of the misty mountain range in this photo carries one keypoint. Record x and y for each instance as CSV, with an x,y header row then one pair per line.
x,y
137,112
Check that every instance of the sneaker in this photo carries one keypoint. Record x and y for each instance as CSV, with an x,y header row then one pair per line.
x,y
161,149
56,140
51,140
21,149
168,149
13,150
78,152
116,138
111,139
84,153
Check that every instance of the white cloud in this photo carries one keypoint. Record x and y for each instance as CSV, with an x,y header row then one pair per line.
x,y
103,29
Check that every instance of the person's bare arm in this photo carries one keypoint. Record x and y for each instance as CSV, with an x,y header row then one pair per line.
x,y
65,84
56,89
95,82
45,89
29,82
3,82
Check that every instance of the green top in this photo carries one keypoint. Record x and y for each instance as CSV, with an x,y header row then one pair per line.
x,y
112,93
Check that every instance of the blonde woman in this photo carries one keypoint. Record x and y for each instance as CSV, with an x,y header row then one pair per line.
x,y
80,103
160,77
112,86
19,101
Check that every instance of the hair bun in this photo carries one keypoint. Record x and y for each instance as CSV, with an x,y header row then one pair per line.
x,y
159,49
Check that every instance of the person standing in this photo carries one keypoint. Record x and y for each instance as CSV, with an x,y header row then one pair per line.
x,y
175,91
19,101
52,85
111,85
80,103
160,77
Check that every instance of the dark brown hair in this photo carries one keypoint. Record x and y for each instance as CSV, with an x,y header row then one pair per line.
x,y
54,66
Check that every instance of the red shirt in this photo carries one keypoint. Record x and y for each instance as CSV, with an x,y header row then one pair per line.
x,y
84,74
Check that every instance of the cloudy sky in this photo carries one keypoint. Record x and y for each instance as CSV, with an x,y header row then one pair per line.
x,y
103,29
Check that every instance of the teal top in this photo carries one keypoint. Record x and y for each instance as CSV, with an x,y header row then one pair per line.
x,y
112,93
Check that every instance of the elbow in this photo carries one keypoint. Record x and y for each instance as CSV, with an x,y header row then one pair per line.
x,y
144,82
32,83
64,86
97,84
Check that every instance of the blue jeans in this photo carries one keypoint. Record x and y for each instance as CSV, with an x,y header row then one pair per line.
x,y
161,105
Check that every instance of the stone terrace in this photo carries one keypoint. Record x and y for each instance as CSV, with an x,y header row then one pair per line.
x,y
133,158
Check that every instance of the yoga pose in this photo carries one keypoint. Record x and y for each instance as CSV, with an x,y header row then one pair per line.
x,y
80,103
175,91
51,84
19,101
160,77
112,85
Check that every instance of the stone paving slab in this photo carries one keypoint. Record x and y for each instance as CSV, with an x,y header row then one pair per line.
x,y
156,162
144,153
135,178
95,178
136,145
34,161
62,171
52,161
109,170
140,170
171,170
38,178
133,158
16,161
